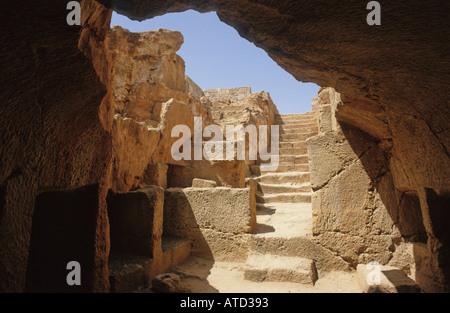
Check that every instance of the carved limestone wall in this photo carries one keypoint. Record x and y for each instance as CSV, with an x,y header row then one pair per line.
x,y
357,211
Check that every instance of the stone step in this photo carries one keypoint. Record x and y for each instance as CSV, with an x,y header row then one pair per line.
x,y
281,178
228,108
285,167
294,246
266,189
388,280
286,159
297,136
296,116
293,151
290,159
298,124
266,267
283,221
293,120
293,168
285,229
305,129
297,246
293,144
290,197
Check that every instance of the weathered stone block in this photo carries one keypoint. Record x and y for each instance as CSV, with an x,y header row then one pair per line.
x,y
403,258
384,279
228,247
324,96
175,252
355,205
136,220
203,183
325,119
266,267
223,209
166,283
342,204
425,269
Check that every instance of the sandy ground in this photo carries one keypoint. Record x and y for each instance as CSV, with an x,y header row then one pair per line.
x,y
205,276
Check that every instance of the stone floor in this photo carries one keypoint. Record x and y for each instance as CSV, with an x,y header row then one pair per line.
x,y
206,276
284,220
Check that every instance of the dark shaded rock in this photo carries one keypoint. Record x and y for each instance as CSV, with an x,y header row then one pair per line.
x,y
167,283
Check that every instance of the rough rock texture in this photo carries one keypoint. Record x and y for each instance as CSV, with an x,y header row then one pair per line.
x,y
266,267
232,106
146,72
156,175
202,183
53,119
150,95
357,212
135,219
228,210
384,279
197,92
166,283
51,134
216,219
128,272
238,106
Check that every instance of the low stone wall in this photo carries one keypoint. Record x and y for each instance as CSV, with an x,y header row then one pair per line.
x,y
217,220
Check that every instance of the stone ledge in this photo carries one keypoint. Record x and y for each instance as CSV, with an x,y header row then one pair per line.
x,y
386,279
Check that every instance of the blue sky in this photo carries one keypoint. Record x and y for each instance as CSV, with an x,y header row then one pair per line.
x,y
217,57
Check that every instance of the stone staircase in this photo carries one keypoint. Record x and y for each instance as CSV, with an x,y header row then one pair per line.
x,y
281,249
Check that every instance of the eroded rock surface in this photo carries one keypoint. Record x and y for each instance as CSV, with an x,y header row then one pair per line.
x,y
393,79
358,212
150,95
166,283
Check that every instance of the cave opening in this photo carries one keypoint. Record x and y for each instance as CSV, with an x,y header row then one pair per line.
x,y
58,131
286,193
